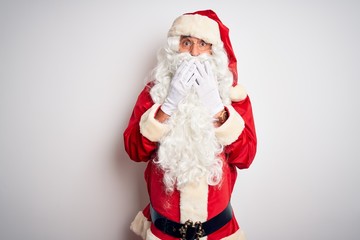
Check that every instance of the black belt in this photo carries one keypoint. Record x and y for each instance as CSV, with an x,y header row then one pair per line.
x,y
190,230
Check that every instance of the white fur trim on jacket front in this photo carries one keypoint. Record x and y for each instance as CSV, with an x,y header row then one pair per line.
x,y
198,26
230,130
151,128
140,225
194,201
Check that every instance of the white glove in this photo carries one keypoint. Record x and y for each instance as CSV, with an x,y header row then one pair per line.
x,y
180,85
207,89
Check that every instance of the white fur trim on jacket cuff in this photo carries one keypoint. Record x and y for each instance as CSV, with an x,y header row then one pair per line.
x,y
230,130
151,128
140,225
237,93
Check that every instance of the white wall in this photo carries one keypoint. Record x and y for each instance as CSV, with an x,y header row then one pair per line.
x,y
71,71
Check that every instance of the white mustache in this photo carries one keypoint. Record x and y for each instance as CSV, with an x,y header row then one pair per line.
x,y
187,57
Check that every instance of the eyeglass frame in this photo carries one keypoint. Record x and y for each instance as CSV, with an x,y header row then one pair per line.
x,y
200,44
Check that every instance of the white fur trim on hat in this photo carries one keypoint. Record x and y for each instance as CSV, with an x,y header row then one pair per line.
x,y
140,225
198,26
151,128
230,130
237,93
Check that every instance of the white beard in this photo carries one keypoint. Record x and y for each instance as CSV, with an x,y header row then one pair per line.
x,y
190,151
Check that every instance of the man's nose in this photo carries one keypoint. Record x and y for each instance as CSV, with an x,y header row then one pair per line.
x,y
194,51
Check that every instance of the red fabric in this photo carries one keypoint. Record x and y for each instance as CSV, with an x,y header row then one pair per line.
x,y
239,154
224,35
137,146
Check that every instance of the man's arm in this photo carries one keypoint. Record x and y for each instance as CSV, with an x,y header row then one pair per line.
x,y
241,152
138,147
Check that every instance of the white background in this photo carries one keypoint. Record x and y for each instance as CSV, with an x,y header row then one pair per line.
x,y
71,72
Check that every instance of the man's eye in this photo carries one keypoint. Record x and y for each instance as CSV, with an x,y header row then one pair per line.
x,y
187,43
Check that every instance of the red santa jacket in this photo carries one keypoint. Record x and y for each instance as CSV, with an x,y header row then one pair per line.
x,y
200,202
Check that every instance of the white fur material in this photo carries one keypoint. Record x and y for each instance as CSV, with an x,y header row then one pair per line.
x,y
194,201
196,26
237,93
140,225
231,129
150,127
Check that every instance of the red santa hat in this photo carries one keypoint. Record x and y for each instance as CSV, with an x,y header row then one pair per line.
x,y
206,25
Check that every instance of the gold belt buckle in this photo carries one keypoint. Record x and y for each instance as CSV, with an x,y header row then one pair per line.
x,y
199,231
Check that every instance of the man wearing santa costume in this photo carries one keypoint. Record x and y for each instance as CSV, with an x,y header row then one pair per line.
x,y
193,125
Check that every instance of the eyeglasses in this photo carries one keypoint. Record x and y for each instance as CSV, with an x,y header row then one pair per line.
x,y
188,43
